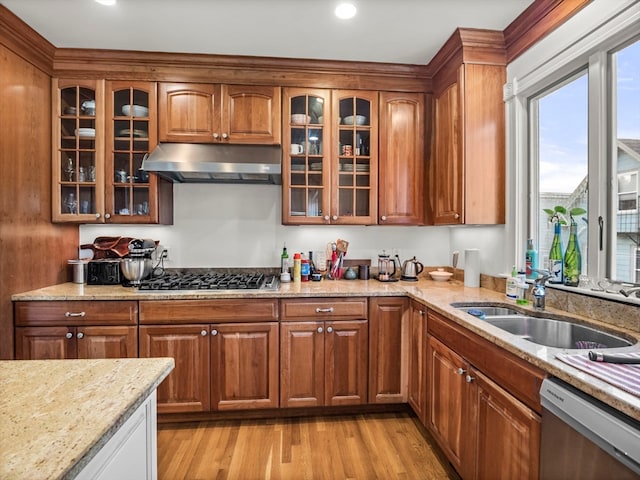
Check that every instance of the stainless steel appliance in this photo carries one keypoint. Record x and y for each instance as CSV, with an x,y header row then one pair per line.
x,y
386,268
137,265
411,269
105,271
211,280
583,438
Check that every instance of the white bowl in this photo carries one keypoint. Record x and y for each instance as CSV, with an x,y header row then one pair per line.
x,y
300,118
135,110
440,275
360,120
85,132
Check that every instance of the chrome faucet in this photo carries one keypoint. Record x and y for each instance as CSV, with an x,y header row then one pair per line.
x,y
539,289
631,290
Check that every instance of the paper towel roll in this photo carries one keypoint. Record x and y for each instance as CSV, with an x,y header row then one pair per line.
x,y
472,267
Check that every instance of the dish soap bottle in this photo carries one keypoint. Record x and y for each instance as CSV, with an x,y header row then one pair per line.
x,y
555,256
572,258
531,260
512,285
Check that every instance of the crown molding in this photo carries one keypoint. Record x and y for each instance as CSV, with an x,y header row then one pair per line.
x,y
25,42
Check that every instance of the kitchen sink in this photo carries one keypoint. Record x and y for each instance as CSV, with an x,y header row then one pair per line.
x,y
550,332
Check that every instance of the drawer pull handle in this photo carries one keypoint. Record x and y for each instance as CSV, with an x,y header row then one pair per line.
x,y
324,310
74,314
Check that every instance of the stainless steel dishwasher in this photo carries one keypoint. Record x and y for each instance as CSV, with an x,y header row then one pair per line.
x,y
583,438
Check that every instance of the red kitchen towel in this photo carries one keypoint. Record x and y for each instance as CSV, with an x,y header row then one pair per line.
x,y
623,376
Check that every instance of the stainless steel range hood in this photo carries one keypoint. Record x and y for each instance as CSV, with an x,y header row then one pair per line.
x,y
212,163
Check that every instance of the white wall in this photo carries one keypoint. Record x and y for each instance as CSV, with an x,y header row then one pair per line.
x,y
240,226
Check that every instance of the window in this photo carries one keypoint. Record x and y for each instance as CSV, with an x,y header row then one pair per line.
x,y
584,151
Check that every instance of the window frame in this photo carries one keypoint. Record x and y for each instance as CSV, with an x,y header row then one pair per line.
x,y
586,41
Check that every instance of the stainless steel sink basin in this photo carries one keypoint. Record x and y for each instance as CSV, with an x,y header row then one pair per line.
x,y
550,332
557,333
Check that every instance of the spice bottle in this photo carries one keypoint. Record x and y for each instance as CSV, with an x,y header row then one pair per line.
x,y
297,266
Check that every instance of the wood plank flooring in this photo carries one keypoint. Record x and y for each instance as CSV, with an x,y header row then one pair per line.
x,y
382,446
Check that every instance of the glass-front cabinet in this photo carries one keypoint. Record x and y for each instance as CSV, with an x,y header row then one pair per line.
x,y
78,151
102,131
132,133
329,168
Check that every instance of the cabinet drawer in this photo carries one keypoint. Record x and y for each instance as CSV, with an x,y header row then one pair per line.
x,y
324,308
208,311
71,313
513,374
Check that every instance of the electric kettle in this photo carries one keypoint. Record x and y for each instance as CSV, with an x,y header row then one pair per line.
x,y
411,269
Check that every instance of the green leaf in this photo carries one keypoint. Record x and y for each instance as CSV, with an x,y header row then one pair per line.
x,y
548,211
577,211
560,209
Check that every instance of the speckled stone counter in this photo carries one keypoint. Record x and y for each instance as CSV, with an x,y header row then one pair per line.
x,y
435,295
55,415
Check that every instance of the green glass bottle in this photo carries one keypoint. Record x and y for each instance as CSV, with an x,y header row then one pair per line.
x,y
555,256
572,258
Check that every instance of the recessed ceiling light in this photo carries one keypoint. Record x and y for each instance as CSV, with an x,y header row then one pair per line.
x,y
345,11
106,2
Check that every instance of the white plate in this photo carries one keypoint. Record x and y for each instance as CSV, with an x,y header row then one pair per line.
x,y
316,166
85,132
135,110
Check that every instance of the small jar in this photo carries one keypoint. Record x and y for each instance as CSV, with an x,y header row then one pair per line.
x,y
305,270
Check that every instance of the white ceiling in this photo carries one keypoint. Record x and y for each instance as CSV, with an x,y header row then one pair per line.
x,y
396,31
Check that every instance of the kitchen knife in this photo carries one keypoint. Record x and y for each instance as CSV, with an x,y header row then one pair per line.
x,y
612,358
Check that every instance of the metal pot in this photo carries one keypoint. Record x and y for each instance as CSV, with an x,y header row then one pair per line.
x,y
411,269
135,269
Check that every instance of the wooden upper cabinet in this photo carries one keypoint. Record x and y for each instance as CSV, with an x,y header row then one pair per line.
x,y
211,113
401,185
468,165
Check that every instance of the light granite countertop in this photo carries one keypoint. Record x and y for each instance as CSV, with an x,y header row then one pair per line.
x,y
435,295
55,415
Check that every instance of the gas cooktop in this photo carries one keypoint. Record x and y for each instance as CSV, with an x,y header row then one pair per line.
x,y
210,281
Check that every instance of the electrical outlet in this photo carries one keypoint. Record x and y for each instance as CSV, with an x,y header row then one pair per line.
x,y
165,253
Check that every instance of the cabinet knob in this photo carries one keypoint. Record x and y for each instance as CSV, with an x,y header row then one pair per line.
x,y
74,314
461,371
214,332
383,218
107,215
421,312
68,335
216,135
326,218
456,216
335,217
80,335
203,333
320,330
329,329
97,215
324,310
469,379
225,136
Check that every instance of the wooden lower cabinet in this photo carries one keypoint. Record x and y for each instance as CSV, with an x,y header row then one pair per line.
x,y
47,343
218,366
417,363
388,345
323,363
485,431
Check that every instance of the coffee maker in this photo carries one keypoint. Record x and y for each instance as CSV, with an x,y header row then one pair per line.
x,y
137,265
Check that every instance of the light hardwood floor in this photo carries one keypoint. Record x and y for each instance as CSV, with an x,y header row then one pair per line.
x,y
361,447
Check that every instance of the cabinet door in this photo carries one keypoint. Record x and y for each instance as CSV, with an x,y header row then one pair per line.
x,y
448,162
417,391
107,342
186,389
78,151
447,402
244,366
346,356
306,156
354,198
388,322
251,114
401,185
132,195
189,112
508,433
301,364
45,343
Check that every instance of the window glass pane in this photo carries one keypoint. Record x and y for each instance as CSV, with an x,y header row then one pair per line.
x,y
626,85
562,161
